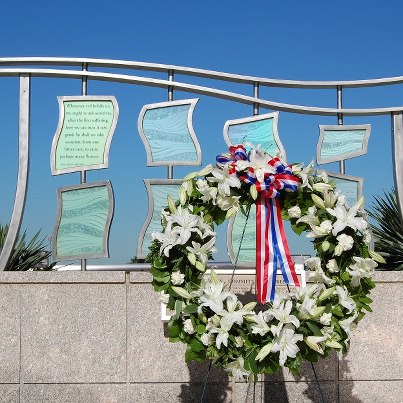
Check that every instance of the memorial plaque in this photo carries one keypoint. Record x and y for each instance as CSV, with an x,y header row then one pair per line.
x,y
258,130
83,221
166,130
158,191
84,133
342,142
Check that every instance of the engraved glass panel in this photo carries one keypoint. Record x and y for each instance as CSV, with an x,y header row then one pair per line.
x,y
85,216
349,188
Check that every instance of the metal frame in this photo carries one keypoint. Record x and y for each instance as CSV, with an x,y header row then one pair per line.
x,y
23,168
58,132
145,108
324,128
148,183
256,118
108,223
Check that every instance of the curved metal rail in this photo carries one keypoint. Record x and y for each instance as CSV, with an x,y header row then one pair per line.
x,y
25,71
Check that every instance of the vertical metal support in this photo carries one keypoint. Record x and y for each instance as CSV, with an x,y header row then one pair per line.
x,y
83,174
23,167
170,171
397,154
340,120
255,95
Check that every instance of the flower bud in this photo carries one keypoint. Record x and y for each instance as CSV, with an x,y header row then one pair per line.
x,y
206,170
325,246
171,205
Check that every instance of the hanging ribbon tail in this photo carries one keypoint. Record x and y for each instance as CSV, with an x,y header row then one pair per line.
x,y
271,249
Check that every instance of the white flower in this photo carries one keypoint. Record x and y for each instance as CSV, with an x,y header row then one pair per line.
x,y
202,251
324,177
207,339
168,239
260,326
346,242
307,307
213,297
313,343
363,267
294,212
209,193
286,343
341,200
321,230
326,319
227,202
313,263
318,275
188,326
309,218
347,324
222,334
187,223
259,161
238,341
346,218
237,369
282,314
332,266
225,181
303,173
177,278
367,236
232,315
344,299
164,298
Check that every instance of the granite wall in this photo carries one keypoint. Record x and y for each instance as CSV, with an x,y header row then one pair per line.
x,y
97,337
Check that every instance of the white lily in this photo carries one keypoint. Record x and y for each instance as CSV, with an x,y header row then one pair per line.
x,y
286,343
313,342
259,161
187,223
344,299
363,267
224,181
310,218
303,173
346,218
348,324
282,314
319,231
208,192
202,251
232,315
260,326
222,335
214,297
168,239
227,202
237,369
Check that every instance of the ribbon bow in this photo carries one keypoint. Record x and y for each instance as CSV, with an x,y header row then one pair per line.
x,y
271,243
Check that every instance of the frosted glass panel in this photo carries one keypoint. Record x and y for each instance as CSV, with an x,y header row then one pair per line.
x,y
258,130
167,132
157,194
349,188
85,215
342,142
247,253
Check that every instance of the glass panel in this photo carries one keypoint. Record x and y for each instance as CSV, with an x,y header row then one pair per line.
x,y
256,132
340,144
84,222
348,188
169,134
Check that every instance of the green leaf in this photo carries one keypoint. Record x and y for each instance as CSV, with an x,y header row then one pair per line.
x,y
181,292
314,329
173,329
197,345
192,308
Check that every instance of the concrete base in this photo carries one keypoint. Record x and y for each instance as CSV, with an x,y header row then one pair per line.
x,y
97,337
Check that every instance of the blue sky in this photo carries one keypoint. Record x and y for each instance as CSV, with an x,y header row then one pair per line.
x,y
313,40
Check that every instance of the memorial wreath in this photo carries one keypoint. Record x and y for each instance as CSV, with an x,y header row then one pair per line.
x,y
282,330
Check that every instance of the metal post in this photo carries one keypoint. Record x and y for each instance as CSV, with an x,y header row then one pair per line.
x,y
23,167
83,174
340,121
170,172
397,154
255,95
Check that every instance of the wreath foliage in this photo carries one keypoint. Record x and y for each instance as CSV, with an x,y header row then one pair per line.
x,y
301,325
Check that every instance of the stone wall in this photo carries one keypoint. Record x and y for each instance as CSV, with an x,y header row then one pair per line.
x,y
97,337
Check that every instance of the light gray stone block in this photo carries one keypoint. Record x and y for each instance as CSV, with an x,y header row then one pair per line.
x,y
178,393
74,333
284,392
51,277
140,277
9,334
74,393
371,391
376,345
151,357
9,393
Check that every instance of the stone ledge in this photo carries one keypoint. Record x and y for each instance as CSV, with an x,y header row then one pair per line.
x,y
61,277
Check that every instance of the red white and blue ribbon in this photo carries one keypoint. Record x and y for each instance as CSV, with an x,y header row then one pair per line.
x,y
272,249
